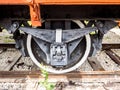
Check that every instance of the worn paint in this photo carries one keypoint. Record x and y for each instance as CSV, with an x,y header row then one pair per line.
x,y
64,2
35,5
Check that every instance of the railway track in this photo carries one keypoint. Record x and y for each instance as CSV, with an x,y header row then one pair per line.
x,y
90,75
29,80
66,77
92,63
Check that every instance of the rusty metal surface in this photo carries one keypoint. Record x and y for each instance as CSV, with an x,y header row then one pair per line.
x,y
35,14
61,2
83,74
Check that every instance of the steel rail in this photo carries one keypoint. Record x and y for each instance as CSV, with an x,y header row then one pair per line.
x,y
89,76
113,56
7,45
106,46
74,74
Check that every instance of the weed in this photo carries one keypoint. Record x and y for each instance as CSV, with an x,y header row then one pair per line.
x,y
45,83
7,39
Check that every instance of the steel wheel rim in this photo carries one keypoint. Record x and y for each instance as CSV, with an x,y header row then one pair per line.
x,y
81,61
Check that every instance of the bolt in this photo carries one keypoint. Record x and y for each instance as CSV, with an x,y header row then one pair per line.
x,y
101,25
15,25
16,46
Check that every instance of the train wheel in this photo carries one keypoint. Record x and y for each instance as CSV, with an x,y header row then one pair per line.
x,y
85,49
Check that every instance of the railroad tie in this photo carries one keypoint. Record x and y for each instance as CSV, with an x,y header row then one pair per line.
x,y
113,56
95,64
14,61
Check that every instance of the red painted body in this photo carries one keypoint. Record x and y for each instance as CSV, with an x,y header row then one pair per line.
x,y
35,5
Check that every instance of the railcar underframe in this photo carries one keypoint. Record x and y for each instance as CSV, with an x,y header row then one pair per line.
x,y
62,34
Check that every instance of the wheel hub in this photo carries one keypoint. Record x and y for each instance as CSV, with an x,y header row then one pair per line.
x,y
58,53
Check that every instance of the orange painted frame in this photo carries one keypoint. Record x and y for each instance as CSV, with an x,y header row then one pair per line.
x,y
60,2
79,2
14,2
35,7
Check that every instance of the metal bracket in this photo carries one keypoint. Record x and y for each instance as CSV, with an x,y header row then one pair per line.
x,y
55,43
49,35
45,47
59,35
58,54
35,14
105,26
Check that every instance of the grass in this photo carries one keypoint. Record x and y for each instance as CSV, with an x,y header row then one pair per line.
x,y
7,39
45,83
